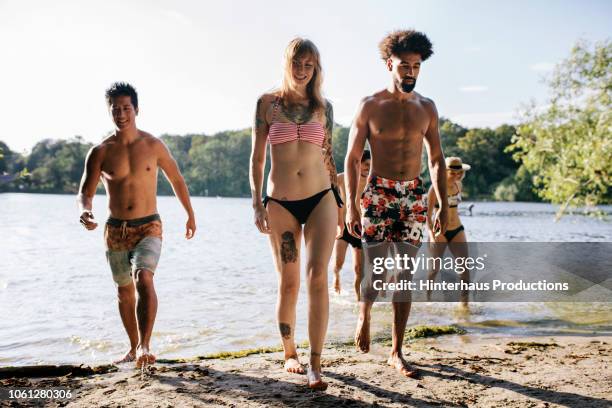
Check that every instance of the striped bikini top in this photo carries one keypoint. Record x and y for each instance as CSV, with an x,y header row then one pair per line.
x,y
283,132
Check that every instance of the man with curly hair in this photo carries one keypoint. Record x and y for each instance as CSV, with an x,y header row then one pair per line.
x,y
397,122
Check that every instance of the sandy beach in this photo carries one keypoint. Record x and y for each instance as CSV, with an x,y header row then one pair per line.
x,y
454,371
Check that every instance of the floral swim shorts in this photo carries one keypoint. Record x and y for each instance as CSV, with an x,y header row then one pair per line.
x,y
393,211
132,245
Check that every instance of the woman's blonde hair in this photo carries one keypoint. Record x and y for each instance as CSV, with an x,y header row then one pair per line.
x,y
297,48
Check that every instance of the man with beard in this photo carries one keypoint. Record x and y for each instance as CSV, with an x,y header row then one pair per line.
x,y
396,122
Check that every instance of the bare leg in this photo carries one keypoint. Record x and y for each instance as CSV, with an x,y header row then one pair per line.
x,y
340,255
285,244
357,268
401,310
319,234
362,332
126,297
459,249
436,250
146,310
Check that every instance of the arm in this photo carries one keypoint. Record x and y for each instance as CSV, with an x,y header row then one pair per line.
x,y
259,137
431,202
327,145
87,189
357,138
342,191
166,162
328,153
437,166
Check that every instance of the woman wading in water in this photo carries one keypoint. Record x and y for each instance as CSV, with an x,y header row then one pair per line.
x,y
454,237
302,199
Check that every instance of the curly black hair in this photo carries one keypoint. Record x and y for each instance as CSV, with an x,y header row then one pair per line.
x,y
400,41
121,89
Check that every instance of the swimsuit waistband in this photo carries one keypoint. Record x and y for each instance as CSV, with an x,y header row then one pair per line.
x,y
396,184
136,222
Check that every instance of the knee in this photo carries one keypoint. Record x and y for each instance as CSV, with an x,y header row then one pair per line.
x,y
316,274
125,293
143,280
289,287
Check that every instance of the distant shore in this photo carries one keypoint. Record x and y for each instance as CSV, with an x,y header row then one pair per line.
x,y
454,371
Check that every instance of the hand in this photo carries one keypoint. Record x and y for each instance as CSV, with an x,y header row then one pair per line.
x,y
261,219
440,221
87,221
190,227
353,222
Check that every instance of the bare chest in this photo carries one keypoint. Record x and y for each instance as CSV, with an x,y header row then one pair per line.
x,y
399,121
129,162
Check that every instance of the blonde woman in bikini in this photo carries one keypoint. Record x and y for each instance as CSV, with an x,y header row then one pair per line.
x,y
455,233
302,200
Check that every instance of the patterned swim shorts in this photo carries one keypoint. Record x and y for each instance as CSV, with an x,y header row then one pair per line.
x,y
132,245
393,211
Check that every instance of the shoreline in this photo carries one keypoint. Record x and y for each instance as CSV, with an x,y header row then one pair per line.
x,y
454,370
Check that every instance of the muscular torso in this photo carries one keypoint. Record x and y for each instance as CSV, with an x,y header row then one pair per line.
x,y
396,131
297,168
129,173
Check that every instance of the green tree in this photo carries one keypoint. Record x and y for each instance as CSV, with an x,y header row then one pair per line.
x,y
567,146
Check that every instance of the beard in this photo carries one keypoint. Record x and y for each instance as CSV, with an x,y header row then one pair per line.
x,y
408,87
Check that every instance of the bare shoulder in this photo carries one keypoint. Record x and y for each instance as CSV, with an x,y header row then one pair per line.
x,y
267,99
370,102
427,103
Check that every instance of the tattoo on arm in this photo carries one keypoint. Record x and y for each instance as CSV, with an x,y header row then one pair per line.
x,y
327,144
288,248
259,120
285,330
315,354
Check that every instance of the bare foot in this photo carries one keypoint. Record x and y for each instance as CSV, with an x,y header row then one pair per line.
x,y
129,356
314,380
144,357
337,284
362,335
397,361
292,365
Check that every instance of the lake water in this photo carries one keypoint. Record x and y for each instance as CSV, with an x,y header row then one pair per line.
x,y
218,291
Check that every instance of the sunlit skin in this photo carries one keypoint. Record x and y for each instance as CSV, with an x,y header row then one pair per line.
x,y
453,181
341,245
298,170
397,124
127,163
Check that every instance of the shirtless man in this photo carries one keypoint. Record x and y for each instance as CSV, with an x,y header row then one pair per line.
x,y
127,163
397,122
343,242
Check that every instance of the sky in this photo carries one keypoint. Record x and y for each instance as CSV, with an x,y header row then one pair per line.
x,y
199,66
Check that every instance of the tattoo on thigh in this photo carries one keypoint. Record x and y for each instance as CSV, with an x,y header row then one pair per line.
x,y
315,354
285,330
288,248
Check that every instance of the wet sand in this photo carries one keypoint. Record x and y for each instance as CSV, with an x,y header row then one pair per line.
x,y
454,371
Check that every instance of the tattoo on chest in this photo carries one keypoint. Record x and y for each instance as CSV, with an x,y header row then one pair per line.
x,y
288,248
297,113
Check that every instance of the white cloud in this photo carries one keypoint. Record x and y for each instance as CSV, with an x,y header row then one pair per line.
x,y
474,88
542,67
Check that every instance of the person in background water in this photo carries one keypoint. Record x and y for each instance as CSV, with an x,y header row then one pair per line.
x,y
127,163
454,237
396,122
346,238
302,199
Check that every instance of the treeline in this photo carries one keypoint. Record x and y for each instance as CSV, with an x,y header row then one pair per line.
x,y
219,164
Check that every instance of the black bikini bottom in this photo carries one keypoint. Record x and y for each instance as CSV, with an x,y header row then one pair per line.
x,y
450,234
301,209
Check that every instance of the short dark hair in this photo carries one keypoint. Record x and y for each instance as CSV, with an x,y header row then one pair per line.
x,y
121,89
366,155
400,41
